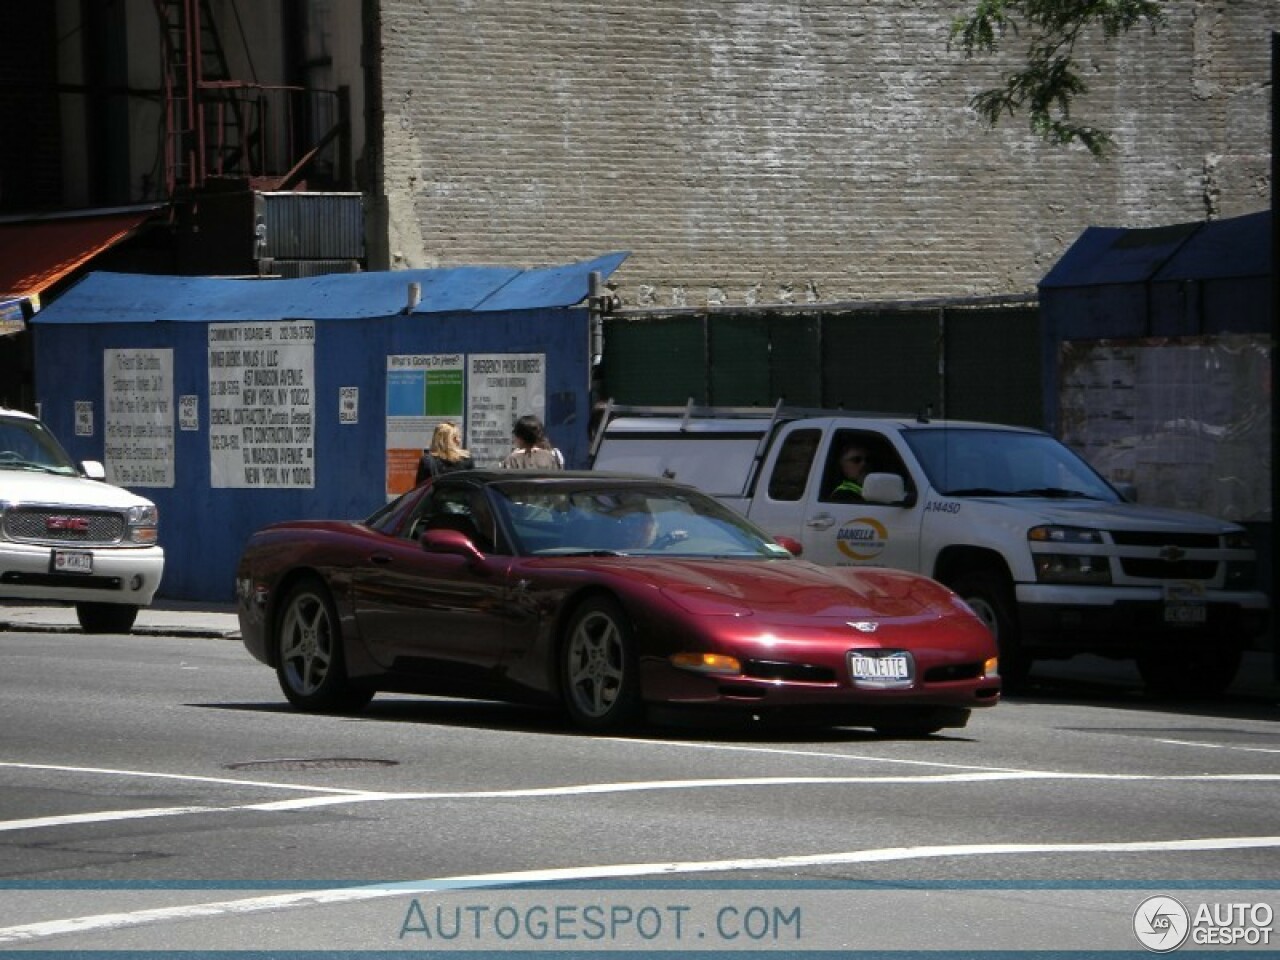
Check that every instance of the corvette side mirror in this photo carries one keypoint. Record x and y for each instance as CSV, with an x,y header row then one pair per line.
x,y
450,541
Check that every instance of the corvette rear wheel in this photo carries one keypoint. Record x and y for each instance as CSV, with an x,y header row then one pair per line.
x,y
599,673
309,656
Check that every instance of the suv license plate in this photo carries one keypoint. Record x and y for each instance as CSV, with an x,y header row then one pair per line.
x,y
72,561
880,670
1184,603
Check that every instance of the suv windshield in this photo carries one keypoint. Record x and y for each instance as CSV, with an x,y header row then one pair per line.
x,y
27,445
632,519
962,461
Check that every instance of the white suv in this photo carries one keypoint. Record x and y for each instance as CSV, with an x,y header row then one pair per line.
x,y
66,535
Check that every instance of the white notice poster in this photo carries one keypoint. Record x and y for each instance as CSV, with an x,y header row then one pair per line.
x,y
137,388
262,405
501,388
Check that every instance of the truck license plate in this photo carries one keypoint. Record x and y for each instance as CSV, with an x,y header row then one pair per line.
x,y
1184,603
875,670
72,561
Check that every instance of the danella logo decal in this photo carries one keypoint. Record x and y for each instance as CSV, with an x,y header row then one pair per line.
x,y
862,538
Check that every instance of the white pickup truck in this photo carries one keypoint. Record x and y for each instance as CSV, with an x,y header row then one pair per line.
x,y
1054,558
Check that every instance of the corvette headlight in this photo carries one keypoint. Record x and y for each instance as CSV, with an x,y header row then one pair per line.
x,y
144,524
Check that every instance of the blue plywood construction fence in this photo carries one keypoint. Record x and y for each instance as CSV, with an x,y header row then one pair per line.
x,y
237,403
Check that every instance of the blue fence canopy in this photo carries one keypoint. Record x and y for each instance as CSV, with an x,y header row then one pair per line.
x,y
136,298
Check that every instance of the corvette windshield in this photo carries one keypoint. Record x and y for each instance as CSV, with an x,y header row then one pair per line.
x,y
965,462
630,520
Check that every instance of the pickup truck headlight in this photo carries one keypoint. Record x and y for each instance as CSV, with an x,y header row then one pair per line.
x,y
144,525
1241,574
1052,534
1069,567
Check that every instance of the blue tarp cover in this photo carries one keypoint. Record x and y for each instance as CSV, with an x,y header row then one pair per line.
x,y
1212,250
144,298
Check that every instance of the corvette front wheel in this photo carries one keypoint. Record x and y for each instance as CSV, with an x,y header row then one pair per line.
x,y
599,671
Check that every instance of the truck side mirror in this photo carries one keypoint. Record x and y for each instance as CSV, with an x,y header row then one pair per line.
x,y
887,488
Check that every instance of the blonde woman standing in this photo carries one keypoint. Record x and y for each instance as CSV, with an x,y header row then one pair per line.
x,y
445,454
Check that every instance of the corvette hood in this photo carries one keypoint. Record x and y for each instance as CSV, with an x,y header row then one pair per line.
x,y
30,487
785,589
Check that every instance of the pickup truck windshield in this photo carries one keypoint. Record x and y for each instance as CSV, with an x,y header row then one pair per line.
x,y
964,461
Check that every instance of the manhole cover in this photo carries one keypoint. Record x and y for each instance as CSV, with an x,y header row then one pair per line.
x,y
312,763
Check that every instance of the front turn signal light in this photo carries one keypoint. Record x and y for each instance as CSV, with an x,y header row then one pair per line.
x,y
707,663
991,668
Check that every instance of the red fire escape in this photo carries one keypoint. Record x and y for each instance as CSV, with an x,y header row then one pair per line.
x,y
218,127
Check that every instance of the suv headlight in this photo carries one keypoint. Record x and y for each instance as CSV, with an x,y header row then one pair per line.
x,y
144,524
1078,568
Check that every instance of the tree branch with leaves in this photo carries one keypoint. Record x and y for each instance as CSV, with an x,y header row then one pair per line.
x,y
1050,80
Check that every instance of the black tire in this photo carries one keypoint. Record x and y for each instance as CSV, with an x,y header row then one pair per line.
x,y
990,594
1186,671
310,660
106,617
599,671
923,722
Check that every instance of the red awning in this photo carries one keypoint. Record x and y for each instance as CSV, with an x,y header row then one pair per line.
x,y
36,254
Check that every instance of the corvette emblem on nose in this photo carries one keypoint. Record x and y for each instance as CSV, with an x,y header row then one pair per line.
x,y
863,626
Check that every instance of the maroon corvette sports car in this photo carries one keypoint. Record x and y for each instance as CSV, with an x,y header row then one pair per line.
x,y
606,595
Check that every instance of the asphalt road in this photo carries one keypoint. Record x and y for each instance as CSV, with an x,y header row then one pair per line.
x,y
156,793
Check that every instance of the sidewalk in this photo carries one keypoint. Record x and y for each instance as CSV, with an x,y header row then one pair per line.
x,y
167,618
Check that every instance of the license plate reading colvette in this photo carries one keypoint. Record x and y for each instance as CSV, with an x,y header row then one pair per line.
x,y
72,561
889,669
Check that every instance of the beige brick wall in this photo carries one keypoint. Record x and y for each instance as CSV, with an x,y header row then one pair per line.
x,y
803,151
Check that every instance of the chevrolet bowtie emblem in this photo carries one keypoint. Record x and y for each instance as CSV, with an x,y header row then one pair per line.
x,y
1172,554
863,626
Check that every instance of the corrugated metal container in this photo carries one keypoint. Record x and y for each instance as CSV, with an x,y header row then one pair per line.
x,y
309,226
294,269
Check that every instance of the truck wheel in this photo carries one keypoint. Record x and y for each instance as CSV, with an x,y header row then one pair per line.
x,y
1187,670
106,617
991,597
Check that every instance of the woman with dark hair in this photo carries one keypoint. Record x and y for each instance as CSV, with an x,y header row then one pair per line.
x,y
533,450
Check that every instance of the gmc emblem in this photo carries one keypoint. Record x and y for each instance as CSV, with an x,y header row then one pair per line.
x,y
71,524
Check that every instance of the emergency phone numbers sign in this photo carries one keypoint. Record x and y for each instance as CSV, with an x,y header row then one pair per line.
x,y
262,405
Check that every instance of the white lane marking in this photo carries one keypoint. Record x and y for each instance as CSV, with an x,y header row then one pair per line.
x,y
1219,746
190,777
336,798
28,932
790,752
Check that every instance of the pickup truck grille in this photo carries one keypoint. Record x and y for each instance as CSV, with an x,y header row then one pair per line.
x,y
72,526
1187,541
1157,569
